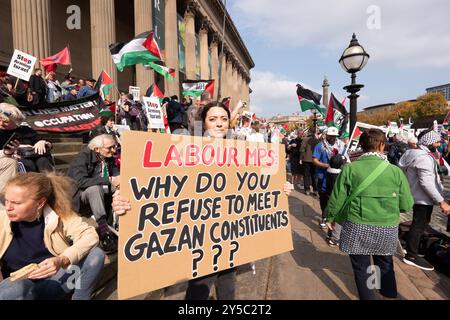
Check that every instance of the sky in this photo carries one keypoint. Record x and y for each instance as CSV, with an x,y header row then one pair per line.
x,y
301,41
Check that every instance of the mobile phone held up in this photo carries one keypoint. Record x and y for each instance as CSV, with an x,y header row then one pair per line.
x,y
14,136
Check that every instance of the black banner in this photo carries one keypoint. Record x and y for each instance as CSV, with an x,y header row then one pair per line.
x,y
65,117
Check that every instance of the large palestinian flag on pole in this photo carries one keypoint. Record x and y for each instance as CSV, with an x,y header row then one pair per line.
x,y
309,100
195,88
141,50
337,115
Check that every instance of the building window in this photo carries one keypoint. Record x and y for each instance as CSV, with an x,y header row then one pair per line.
x,y
159,17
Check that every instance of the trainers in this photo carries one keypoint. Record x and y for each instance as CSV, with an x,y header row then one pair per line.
x,y
109,243
418,262
323,224
332,243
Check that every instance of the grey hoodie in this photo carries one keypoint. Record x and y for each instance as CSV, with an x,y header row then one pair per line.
x,y
422,173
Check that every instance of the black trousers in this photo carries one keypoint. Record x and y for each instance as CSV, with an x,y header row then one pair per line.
x,y
366,280
225,281
421,219
40,164
310,173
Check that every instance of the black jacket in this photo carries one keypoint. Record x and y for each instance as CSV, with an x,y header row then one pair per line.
x,y
82,171
38,85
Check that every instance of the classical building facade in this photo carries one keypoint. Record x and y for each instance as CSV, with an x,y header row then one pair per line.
x,y
197,38
300,121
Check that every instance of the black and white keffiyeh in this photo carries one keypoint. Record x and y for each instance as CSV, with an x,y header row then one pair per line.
x,y
429,138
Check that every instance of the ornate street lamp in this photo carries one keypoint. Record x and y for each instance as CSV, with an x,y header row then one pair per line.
x,y
353,60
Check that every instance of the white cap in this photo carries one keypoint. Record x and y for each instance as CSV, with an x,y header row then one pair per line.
x,y
332,132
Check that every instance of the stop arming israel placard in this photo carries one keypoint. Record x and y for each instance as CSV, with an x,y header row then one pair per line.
x,y
199,206
153,110
22,65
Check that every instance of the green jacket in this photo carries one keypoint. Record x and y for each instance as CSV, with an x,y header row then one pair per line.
x,y
380,204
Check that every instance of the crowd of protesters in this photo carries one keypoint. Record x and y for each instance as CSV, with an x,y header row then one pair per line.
x,y
61,221
361,201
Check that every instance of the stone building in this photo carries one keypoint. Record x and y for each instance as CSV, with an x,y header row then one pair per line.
x,y
197,38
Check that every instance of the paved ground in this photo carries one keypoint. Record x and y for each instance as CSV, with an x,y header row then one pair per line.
x,y
313,271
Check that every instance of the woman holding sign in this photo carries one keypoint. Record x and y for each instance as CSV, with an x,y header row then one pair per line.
x,y
215,119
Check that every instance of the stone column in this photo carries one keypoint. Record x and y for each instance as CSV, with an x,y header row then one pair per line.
x,y
191,60
223,77
103,33
239,87
234,85
204,54
172,59
326,92
229,80
215,67
31,27
143,17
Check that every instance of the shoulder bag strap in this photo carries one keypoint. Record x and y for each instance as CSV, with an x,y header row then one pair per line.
x,y
365,184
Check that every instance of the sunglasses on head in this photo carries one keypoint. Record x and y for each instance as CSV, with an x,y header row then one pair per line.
x,y
6,113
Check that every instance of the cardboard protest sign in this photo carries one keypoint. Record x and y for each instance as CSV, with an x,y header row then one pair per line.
x,y
199,206
22,65
136,92
360,127
154,112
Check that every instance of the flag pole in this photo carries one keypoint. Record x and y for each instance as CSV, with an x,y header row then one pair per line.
x,y
70,57
17,82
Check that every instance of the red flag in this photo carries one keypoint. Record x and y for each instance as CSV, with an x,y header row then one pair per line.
x,y
50,63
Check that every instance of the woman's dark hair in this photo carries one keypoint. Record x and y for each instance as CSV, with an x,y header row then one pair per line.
x,y
370,140
214,104
104,120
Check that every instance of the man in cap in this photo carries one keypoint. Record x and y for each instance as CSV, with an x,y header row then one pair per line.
x,y
422,170
88,89
324,151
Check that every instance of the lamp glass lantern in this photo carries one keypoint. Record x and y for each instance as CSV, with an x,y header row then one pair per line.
x,y
355,57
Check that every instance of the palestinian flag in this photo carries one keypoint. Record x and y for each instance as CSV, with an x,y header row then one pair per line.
x,y
166,72
104,84
337,115
227,102
357,134
156,92
446,124
195,88
141,50
309,100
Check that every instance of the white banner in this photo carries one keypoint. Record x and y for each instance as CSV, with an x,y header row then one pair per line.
x,y
136,92
154,113
22,65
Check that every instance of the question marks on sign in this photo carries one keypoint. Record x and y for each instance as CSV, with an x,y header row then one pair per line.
x,y
196,261
219,249
233,252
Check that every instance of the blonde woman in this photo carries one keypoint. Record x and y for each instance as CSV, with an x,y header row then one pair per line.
x,y
39,227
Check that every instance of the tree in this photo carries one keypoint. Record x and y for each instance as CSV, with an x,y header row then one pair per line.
x,y
431,104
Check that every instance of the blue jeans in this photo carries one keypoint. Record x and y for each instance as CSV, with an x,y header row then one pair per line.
x,y
387,280
80,283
